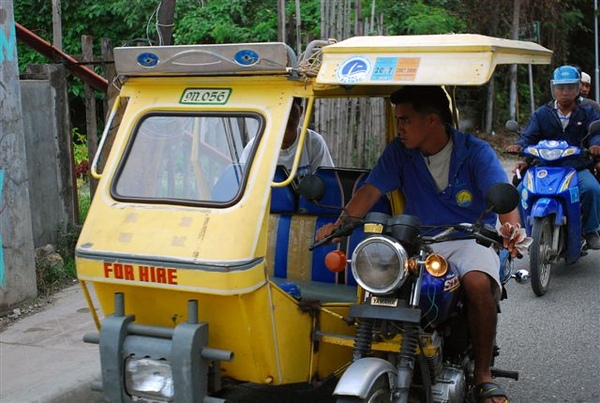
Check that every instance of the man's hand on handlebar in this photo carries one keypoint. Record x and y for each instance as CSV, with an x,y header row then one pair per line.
x,y
327,230
515,239
594,150
513,148
333,232
520,167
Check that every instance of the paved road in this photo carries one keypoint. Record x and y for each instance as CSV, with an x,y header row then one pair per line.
x,y
554,340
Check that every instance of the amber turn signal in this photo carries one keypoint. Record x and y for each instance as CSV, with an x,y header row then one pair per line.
x,y
336,261
436,265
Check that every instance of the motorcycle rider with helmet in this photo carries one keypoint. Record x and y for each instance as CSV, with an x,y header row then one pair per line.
x,y
567,118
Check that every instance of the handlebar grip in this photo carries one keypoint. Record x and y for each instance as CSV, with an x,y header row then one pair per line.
x,y
489,232
345,229
320,243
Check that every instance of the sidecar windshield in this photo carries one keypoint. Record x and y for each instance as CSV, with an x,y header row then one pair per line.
x,y
184,158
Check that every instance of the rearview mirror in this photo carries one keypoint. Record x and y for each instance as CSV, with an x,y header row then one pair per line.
x,y
513,126
312,188
502,198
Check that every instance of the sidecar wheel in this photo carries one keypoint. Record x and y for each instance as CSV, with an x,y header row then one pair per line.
x,y
540,255
379,393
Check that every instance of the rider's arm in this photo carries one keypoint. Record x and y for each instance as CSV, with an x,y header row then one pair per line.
x,y
362,201
594,142
357,207
532,134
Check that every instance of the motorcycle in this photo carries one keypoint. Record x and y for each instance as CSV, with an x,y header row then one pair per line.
x,y
550,205
413,306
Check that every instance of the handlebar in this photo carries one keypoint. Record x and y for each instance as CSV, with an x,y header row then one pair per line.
x,y
347,227
484,234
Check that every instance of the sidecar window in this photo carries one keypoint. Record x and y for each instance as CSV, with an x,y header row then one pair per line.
x,y
184,158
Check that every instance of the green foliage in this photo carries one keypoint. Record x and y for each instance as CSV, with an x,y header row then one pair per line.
x,y
420,18
52,275
67,239
84,199
566,27
227,21
80,149
80,154
310,19
52,278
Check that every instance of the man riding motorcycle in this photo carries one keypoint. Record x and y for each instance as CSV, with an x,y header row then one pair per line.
x,y
425,147
567,118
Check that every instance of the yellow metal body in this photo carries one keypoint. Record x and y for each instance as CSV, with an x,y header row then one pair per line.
x,y
161,255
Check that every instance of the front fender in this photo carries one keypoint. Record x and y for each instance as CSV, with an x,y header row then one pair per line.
x,y
361,375
545,207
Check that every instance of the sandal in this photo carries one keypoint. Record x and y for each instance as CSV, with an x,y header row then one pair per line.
x,y
488,390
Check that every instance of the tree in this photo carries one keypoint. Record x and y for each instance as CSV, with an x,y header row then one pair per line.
x,y
566,28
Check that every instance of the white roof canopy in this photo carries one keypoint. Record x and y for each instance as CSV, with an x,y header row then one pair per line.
x,y
453,59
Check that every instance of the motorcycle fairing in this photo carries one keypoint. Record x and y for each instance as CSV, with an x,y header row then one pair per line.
x,y
553,191
439,296
551,180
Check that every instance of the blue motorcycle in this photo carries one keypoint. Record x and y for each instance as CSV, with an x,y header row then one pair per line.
x,y
550,206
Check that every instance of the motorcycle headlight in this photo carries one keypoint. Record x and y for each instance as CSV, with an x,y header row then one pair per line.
x,y
379,264
550,154
149,379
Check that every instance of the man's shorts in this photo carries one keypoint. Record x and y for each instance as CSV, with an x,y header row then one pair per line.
x,y
467,255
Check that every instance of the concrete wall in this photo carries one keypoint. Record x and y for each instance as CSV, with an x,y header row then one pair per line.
x,y
48,143
17,267
37,185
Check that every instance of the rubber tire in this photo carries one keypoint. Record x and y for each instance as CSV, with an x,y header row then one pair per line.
x,y
539,266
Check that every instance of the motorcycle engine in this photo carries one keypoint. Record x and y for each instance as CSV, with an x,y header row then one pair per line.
x,y
450,386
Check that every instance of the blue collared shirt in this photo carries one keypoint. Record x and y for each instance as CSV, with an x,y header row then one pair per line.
x,y
474,168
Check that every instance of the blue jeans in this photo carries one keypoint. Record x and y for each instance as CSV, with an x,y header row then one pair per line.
x,y
589,192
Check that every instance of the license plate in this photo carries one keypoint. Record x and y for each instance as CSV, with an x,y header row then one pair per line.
x,y
205,96
380,301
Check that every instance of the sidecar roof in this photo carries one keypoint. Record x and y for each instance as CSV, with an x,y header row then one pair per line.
x,y
362,64
452,59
